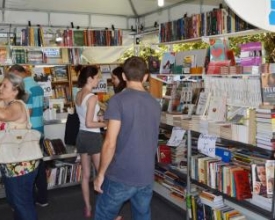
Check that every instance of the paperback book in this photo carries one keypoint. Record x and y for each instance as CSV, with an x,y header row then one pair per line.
x,y
268,88
167,62
154,64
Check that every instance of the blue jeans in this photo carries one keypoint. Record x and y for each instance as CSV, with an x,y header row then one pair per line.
x,y
115,194
19,192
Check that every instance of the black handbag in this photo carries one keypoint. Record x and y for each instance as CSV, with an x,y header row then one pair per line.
x,y
71,129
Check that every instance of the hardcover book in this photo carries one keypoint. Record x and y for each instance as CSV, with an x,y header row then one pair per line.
x,y
78,38
242,184
164,154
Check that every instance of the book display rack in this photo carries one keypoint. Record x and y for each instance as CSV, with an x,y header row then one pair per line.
x,y
53,65
223,184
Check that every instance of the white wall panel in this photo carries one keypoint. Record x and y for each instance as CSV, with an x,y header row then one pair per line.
x,y
160,17
131,22
178,12
22,17
64,19
107,21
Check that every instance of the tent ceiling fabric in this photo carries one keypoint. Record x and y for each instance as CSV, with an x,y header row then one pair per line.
x,y
128,8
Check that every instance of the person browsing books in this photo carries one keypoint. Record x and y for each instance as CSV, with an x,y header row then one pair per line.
x,y
117,80
127,160
35,105
89,139
119,84
18,178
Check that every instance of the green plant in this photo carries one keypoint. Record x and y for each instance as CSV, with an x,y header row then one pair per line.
x,y
267,39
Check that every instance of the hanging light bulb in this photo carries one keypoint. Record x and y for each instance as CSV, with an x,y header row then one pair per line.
x,y
160,3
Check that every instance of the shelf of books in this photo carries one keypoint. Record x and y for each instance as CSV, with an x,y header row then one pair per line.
x,y
62,156
207,38
63,173
165,191
228,113
219,21
221,172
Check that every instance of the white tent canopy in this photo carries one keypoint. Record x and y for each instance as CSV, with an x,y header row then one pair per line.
x,y
128,8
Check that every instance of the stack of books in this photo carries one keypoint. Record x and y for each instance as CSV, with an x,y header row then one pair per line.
x,y
265,131
211,199
226,131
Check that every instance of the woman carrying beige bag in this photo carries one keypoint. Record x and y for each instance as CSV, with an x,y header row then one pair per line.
x,y
18,177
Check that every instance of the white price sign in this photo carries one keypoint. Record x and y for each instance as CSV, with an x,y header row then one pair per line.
x,y
207,144
176,136
47,87
102,86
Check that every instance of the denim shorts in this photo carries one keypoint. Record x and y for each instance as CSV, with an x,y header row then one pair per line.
x,y
115,194
89,142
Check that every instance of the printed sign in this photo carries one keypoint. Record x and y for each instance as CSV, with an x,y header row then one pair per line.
x,y
47,87
207,144
176,136
102,86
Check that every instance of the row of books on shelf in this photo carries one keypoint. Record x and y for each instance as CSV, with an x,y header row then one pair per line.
x,y
218,58
61,92
54,147
32,36
241,178
217,21
35,36
44,56
229,179
172,182
92,37
175,155
206,205
63,173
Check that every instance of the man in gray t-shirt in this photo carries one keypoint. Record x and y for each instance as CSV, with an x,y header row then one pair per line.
x,y
128,153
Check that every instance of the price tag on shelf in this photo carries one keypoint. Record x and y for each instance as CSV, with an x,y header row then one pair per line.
x,y
102,86
207,144
47,87
176,136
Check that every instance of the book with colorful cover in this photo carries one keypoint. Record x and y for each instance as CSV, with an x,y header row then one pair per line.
x,y
78,38
268,88
259,179
167,62
59,73
154,64
269,167
164,154
242,184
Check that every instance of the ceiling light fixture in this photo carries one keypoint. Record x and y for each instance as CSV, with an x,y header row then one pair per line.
x,y
160,3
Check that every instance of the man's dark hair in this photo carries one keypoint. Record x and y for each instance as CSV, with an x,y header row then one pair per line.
x,y
135,68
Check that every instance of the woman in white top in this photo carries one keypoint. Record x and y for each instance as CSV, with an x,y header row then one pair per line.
x,y
89,139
